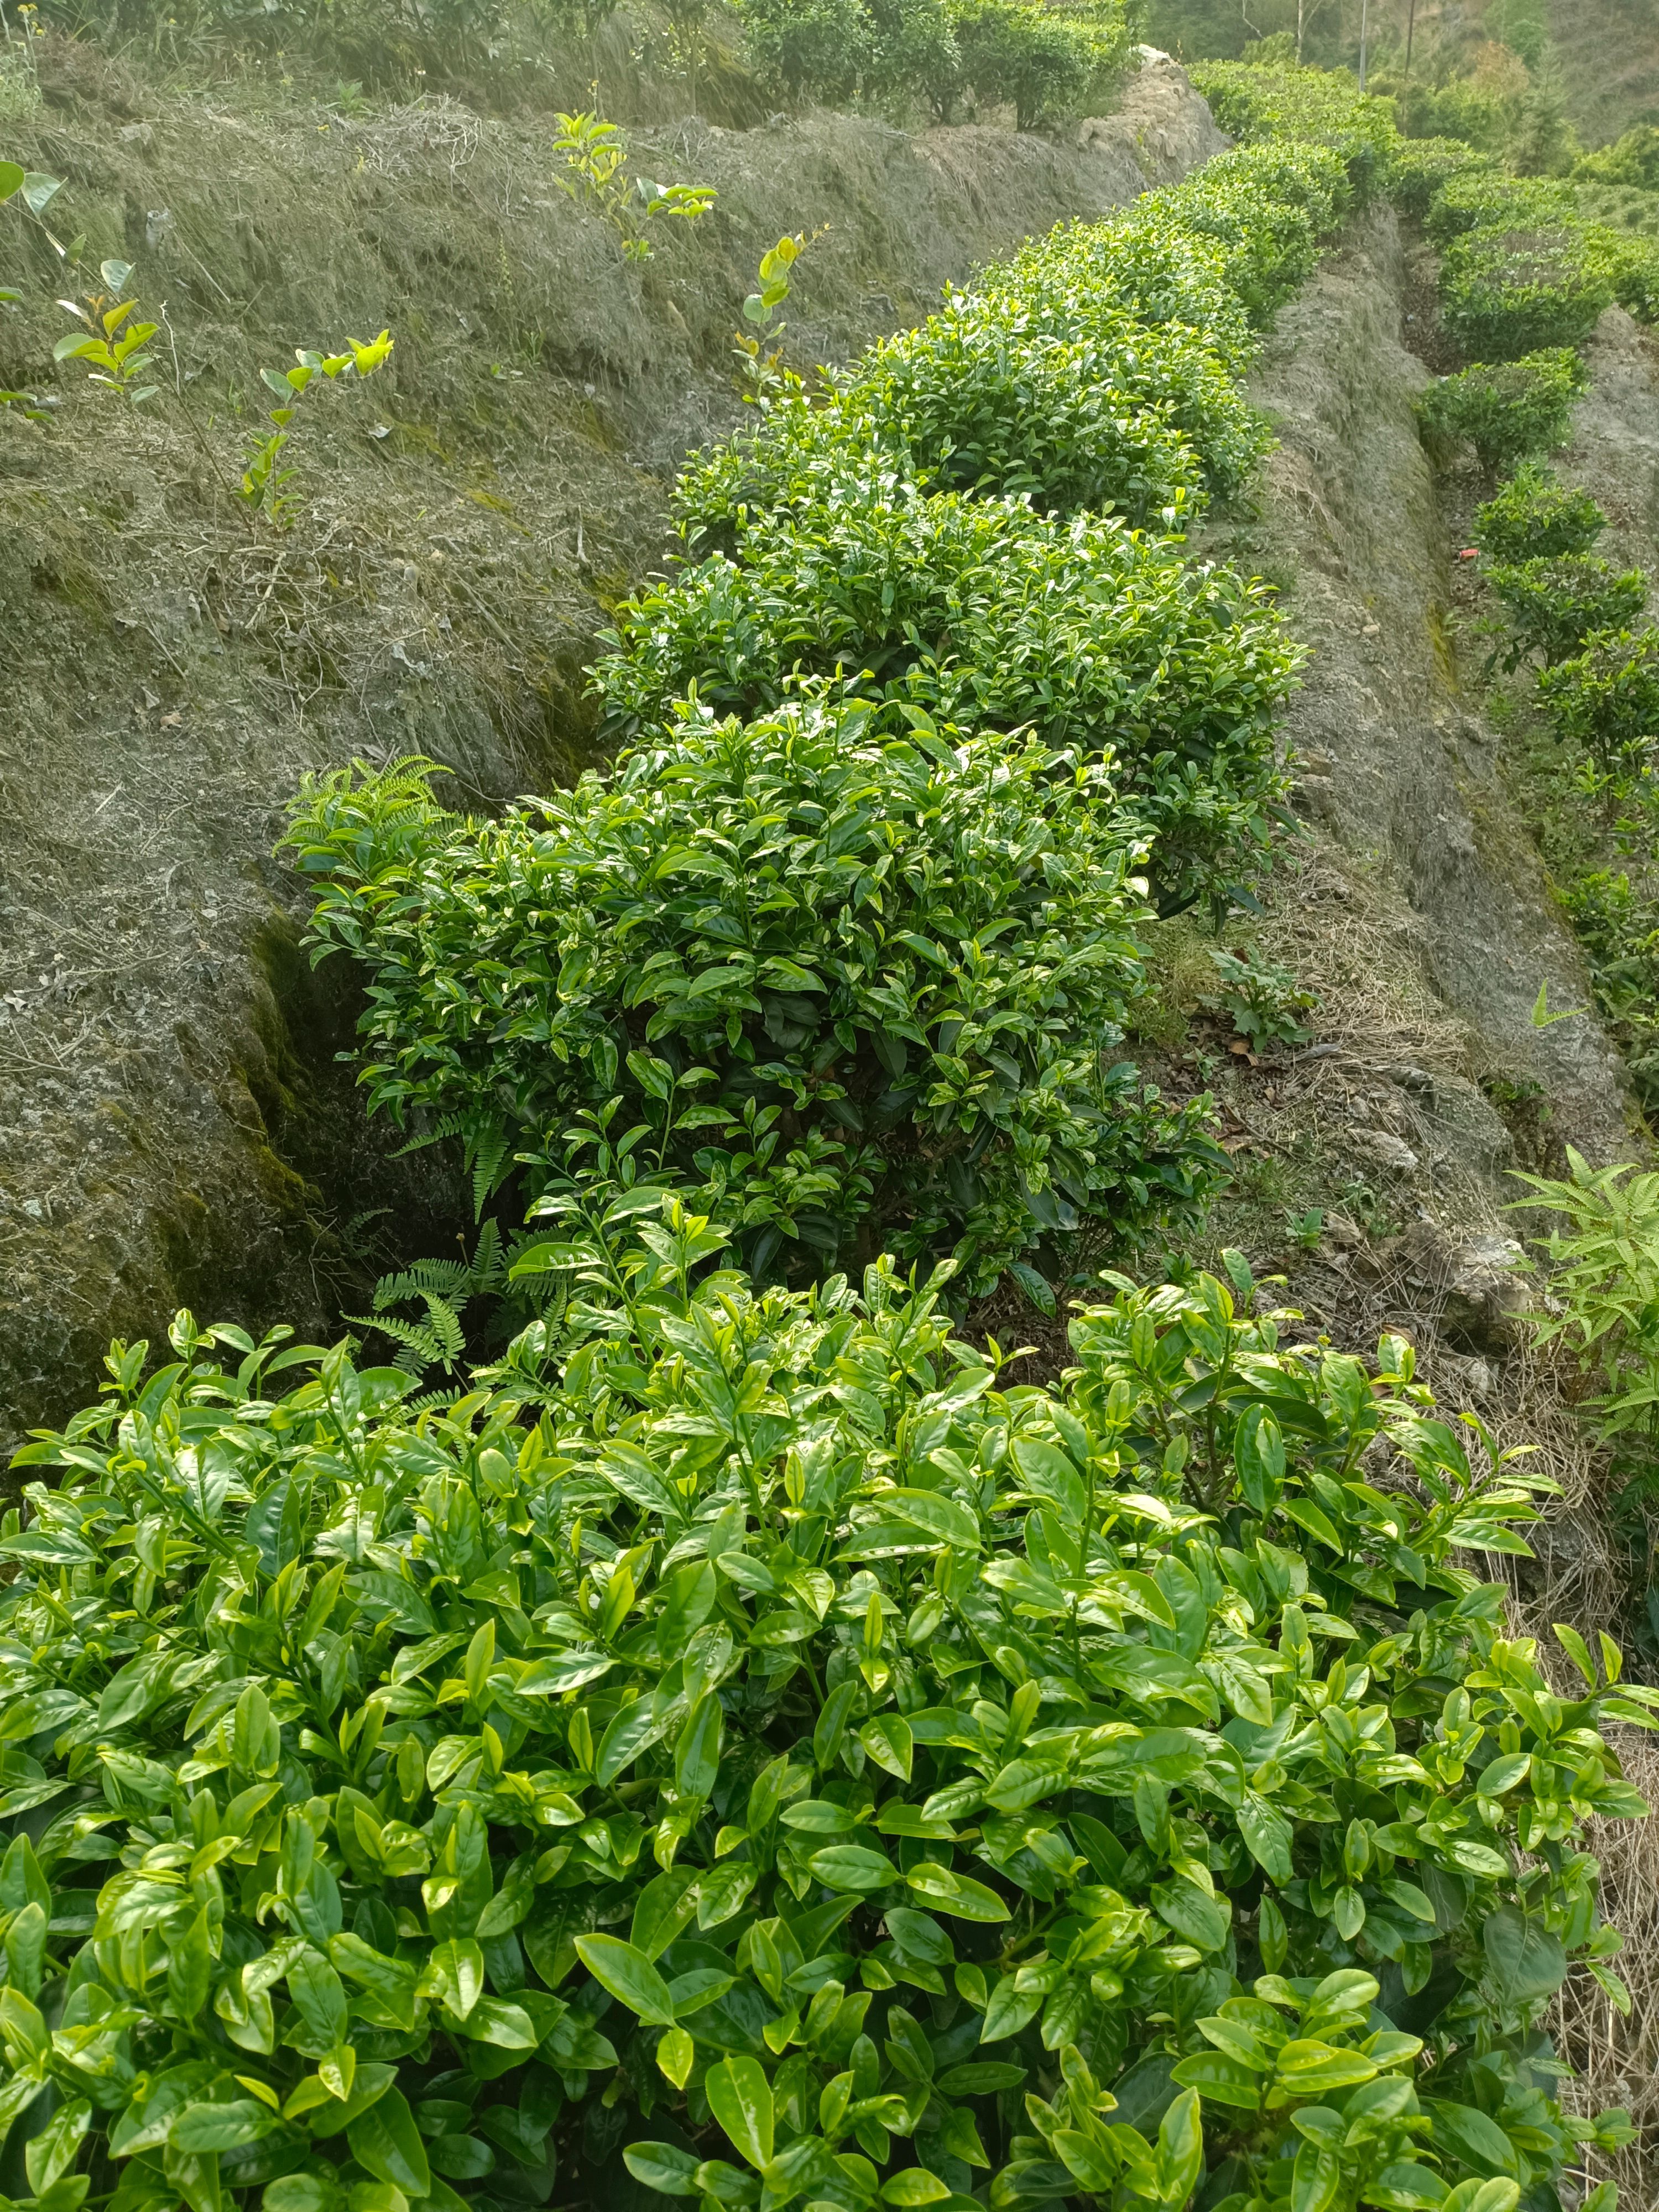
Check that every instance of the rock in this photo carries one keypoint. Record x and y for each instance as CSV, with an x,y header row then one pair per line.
x,y
1485,1294
1384,1147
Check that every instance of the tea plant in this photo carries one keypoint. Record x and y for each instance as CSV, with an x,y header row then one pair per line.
x,y
1508,411
1419,169
505,1789
1605,701
265,482
595,156
1512,288
1534,515
983,614
847,985
1554,606
762,373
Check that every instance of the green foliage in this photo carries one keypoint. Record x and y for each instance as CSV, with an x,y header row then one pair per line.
x,y
1047,63
32,190
1631,160
813,50
1522,25
1145,261
762,373
985,615
785,1749
1534,515
111,344
1262,1000
1482,197
1315,107
1513,287
1036,385
1477,115
1031,58
1555,605
431,1332
1605,701
1629,265
1616,918
264,483
1602,1252
595,157
1420,170
842,984
1269,207
1506,411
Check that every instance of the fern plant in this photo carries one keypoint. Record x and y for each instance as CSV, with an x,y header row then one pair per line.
x,y
423,1308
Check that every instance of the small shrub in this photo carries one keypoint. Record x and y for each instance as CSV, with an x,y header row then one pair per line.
x,y
1511,287
111,343
989,405
1629,267
1617,922
1605,701
596,176
991,400
844,985
1268,206
1508,411
1534,515
1262,1000
1143,260
1553,605
1421,168
794,1754
264,487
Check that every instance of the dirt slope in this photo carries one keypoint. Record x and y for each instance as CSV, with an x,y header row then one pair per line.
x,y
1394,757
173,1127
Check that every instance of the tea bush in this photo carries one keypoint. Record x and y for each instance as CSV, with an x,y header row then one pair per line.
x,y
1553,605
759,1751
854,990
1534,515
1513,287
1315,107
1065,398
1143,259
988,615
1508,411
1045,386
1481,197
1420,169
1267,207
1605,701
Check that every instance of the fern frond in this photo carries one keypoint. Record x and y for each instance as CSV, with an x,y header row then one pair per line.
x,y
489,1151
416,1336
446,1322
451,1124
445,1277
488,1274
